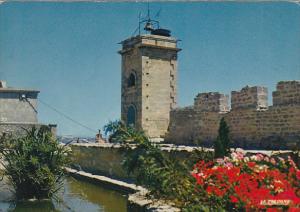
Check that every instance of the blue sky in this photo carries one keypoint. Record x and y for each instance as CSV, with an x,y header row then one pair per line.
x,y
69,51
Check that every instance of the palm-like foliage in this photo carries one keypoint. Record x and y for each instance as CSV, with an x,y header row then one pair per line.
x,y
34,163
120,133
165,176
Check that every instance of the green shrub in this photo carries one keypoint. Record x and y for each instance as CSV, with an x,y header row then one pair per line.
x,y
34,163
163,175
222,143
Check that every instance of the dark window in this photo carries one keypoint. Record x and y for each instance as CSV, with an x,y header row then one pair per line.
x,y
131,116
131,80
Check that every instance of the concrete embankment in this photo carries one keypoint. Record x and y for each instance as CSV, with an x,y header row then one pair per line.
x,y
138,201
102,163
106,159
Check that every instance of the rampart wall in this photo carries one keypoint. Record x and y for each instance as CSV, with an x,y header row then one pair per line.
x,y
106,159
252,123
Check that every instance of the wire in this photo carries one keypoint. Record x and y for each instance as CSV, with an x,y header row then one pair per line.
x,y
66,116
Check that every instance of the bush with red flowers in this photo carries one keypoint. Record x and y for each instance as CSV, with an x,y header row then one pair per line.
x,y
256,182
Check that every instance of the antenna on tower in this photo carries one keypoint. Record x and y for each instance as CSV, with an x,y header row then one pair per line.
x,y
157,14
150,25
148,10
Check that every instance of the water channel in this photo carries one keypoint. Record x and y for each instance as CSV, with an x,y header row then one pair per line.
x,y
75,196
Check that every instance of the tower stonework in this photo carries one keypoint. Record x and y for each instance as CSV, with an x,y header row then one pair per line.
x,y
149,72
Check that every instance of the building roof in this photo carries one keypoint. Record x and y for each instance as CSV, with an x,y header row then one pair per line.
x,y
5,89
17,90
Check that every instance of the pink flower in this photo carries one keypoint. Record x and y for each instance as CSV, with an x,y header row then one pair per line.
x,y
292,163
226,159
233,155
241,151
273,161
220,160
267,159
240,156
228,165
260,157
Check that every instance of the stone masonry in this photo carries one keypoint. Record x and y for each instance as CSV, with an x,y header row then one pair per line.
x,y
149,72
213,101
252,123
250,97
287,93
148,102
18,110
18,105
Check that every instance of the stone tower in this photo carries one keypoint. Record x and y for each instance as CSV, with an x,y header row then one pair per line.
x,y
149,72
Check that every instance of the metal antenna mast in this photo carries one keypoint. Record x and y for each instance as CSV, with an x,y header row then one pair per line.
x,y
148,10
150,25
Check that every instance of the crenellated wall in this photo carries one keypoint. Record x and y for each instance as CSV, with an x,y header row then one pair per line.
x,y
252,123
287,93
212,101
250,97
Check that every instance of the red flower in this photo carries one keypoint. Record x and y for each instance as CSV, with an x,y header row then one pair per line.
x,y
292,209
219,192
251,164
298,174
240,184
273,210
233,199
209,189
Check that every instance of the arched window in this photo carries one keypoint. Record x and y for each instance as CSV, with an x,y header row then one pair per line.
x,y
131,80
131,116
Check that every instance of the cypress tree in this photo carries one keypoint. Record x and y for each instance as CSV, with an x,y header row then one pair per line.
x,y
222,143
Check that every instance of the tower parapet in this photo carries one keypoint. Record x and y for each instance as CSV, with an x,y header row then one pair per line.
x,y
250,97
287,93
149,40
211,102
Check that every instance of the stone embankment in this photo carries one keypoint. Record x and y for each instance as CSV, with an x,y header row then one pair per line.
x,y
138,201
106,160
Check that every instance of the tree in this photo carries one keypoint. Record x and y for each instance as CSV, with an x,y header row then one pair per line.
x,y
34,163
222,143
164,175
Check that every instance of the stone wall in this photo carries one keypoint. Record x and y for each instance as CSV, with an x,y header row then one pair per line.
x,y
152,60
251,123
206,127
182,122
14,108
212,101
250,97
106,159
287,93
99,159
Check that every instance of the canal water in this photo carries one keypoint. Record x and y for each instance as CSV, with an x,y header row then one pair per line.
x,y
75,196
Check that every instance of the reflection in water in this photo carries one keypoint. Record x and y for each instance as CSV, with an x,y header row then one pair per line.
x,y
36,206
76,196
